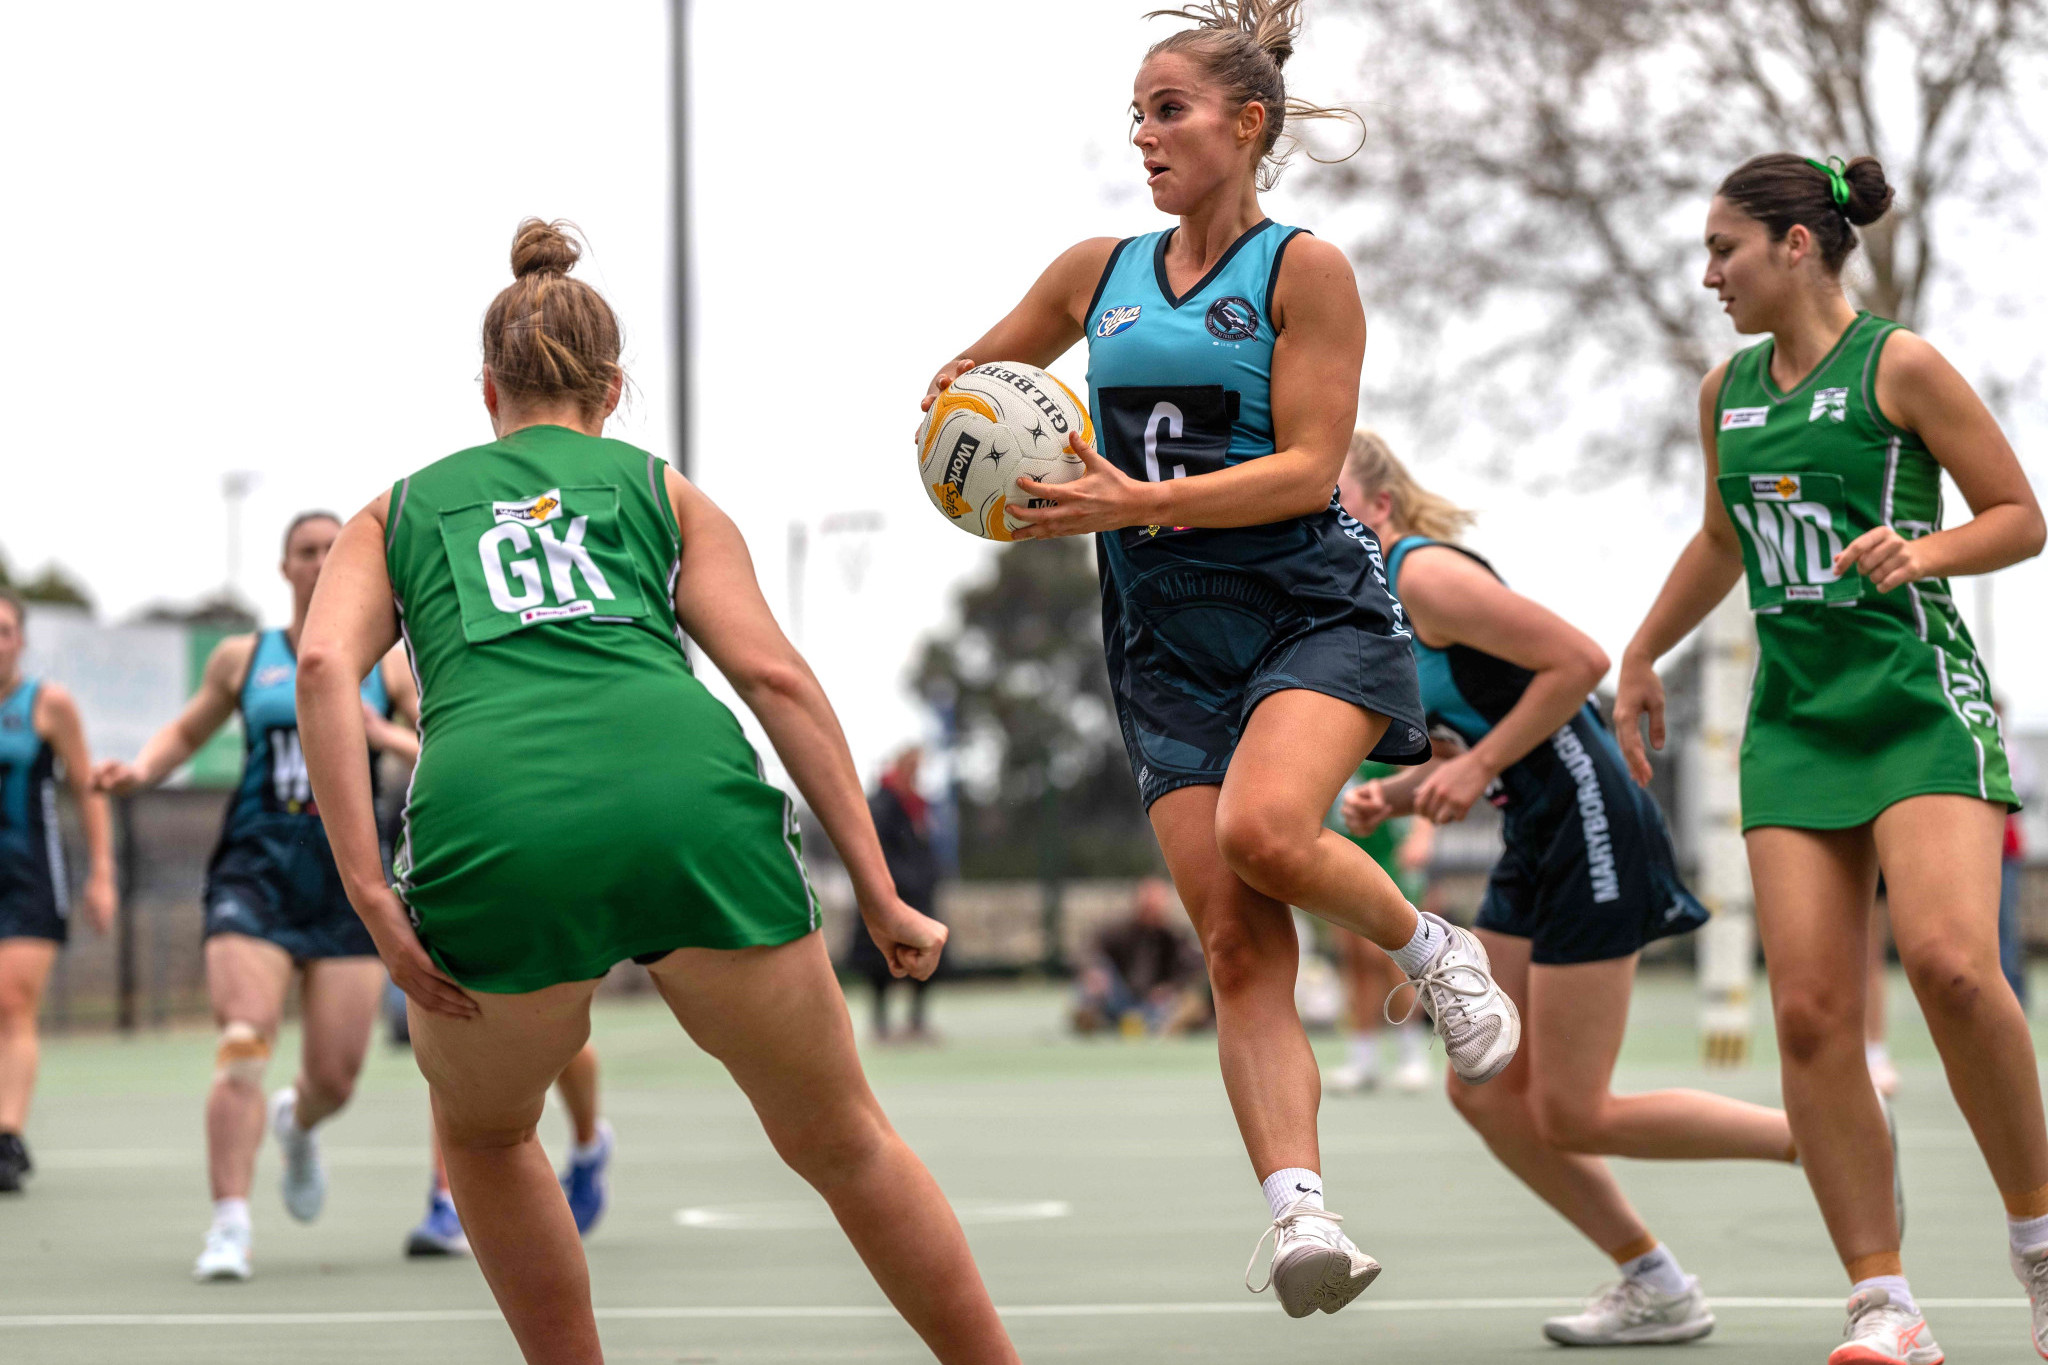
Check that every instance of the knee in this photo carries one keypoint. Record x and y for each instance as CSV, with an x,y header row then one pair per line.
x,y
18,1007
241,1055
1571,1123
1244,960
1811,1023
1489,1108
1951,981
331,1081
1267,852
831,1147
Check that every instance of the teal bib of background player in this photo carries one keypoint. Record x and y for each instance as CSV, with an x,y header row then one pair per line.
x,y
554,556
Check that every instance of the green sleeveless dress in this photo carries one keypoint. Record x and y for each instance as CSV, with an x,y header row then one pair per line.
x,y
1861,698
580,797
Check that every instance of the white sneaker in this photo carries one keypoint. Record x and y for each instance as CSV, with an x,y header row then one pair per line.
x,y
1351,1079
1314,1265
1880,1332
1480,1026
305,1178
1414,1076
2032,1268
1631,1313
226,1256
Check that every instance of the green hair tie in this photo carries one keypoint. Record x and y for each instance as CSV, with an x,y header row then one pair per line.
x,y
1838,184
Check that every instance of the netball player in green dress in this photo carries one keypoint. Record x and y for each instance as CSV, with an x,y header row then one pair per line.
x,y
581,799
1871,743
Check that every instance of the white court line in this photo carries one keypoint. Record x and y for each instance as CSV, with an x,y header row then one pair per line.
x,y
399,1317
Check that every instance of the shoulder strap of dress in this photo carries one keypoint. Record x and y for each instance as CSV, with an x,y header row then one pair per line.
x,y
1116,253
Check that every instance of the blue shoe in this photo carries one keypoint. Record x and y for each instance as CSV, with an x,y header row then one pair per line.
x,y
440,1232
584,1182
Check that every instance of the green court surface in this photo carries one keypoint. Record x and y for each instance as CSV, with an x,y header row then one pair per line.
x,y
1106,1194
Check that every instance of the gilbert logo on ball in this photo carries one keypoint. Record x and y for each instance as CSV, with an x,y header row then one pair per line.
x,y
993,424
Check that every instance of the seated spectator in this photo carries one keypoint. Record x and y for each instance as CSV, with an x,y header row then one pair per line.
x,y
1144,974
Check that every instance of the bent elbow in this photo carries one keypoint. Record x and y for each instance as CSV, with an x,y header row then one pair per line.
x,y
2037,535
769,679
1593,664
320,665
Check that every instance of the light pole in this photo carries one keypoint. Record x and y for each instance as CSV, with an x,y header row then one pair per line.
x,y
234,487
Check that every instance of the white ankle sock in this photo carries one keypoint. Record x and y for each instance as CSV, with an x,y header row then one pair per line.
x,y
1894,1285
2026,1233
1411,1041
231,1213
1876,1054
1657,1268
1364,1053
585,1153
1430,935
1283,1188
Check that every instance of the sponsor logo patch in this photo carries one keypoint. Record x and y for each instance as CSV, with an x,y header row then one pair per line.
x,y
273,675
1832,404
1119,319
534,511
1804,592
1736,419
1774,487
1232,319
532,614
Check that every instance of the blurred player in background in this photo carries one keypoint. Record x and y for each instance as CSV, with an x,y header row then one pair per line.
x,y
1586,879
274,904
1871,743
39,729
581,798
584,1180
903,823
1401,846
1254,651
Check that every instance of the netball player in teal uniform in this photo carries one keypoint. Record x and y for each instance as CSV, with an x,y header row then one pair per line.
x,y
1254,650
274,905
39,729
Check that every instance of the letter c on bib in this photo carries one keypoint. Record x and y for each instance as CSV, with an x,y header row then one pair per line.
x,y
525,570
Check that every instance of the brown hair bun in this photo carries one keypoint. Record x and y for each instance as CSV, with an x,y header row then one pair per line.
x,y
540,248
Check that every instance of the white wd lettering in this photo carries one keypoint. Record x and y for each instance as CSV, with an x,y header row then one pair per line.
x,y
568,553
288,776
1169,416
515,536
1778,541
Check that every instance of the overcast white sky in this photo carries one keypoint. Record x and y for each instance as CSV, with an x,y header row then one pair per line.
x,y
260,237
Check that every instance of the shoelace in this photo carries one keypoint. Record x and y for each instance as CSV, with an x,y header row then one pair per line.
x,y
1296,1211
1629,1296
2037,1280
1441,986
1887,1315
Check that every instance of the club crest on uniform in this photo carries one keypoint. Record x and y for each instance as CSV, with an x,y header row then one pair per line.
x,y
1117,319
1830,403
1232,319
534,511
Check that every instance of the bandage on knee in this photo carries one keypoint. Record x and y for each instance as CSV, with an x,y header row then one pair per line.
x,y
242,1055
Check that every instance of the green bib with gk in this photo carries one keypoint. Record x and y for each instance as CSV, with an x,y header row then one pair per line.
x,y
555,556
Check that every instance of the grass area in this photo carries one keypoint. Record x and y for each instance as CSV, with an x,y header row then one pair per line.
x,y
1112,1209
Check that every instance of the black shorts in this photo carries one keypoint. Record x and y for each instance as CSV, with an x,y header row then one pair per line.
x,y
1200,630
286,890
1589,874
32,905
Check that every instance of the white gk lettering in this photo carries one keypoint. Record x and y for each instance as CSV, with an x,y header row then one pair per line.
x,y
565,558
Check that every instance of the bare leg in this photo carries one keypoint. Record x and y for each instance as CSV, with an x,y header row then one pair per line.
x,y
489,1078
1874,1021
1576,1020
1296,752
24,970
246,979
1248,939
340,1009
578,1087
1581,1188
776,1019
1941,856
1813,893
